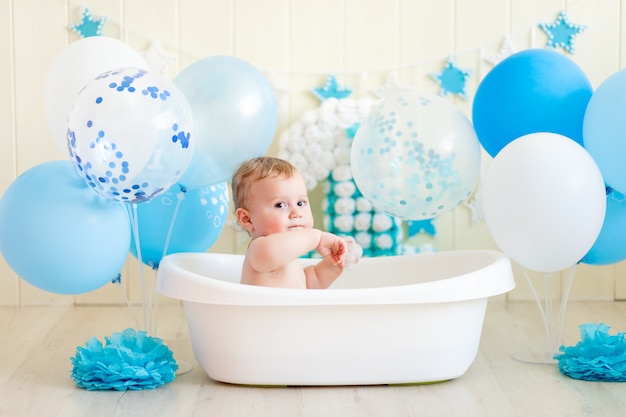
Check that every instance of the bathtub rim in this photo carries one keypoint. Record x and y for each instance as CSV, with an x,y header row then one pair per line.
x,y
176,282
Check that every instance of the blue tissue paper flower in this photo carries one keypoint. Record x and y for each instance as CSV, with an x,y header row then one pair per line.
x,y
597,357
130,360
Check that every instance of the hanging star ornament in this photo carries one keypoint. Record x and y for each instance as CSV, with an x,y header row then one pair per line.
x,y
391,85
452,79
89,26
331,89
278,85
506,49
157,59
561,33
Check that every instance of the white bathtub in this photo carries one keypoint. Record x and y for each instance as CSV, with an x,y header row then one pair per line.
x,y
389,320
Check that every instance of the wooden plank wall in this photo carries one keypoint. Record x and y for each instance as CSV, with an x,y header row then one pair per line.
x,y
297,43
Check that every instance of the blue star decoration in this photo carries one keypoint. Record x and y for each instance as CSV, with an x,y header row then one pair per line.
x,y
421,226
452,79
331,89
89,26
561,33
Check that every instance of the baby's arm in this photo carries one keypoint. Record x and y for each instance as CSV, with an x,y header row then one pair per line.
x,y
268,253
334,250
332,247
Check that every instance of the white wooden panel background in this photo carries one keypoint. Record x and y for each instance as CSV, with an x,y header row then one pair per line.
x,y
297,43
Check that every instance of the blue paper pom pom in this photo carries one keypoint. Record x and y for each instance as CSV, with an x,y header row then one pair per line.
x,y
130,360
597,357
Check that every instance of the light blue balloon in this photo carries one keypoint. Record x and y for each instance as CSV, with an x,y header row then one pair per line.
x,y
199,216
58,234
236,115
604,130
610,246
536,90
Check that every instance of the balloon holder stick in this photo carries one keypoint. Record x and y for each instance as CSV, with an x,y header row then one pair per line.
x,y
150,299
552,323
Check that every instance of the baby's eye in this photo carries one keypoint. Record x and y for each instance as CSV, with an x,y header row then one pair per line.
x,y
282,204
302,203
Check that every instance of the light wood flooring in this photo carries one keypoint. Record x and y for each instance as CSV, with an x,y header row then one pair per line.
x,y
37,342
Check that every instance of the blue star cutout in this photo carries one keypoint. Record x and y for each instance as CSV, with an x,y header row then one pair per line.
x,y
421,226
452,79
88,26
331,89
561,33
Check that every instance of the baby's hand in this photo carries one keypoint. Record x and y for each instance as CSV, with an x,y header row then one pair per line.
x,y
333,247
354,253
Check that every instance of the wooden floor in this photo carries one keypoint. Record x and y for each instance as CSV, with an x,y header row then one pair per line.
x,y
37,342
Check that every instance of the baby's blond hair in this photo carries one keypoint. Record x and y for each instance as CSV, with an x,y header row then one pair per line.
x,y
257,169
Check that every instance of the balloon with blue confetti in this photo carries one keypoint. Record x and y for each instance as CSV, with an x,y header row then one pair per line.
x,y
416,156
130,134
75,66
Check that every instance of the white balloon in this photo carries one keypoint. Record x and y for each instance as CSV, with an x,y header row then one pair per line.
x,y
79,63
544,201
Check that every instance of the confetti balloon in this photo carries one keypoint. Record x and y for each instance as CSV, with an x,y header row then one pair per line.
x,y
78,64
130,135
415,156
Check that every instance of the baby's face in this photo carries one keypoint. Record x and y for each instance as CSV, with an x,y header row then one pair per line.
x,y
279,205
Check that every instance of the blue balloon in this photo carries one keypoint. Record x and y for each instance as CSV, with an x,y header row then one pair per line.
x,y
199,215
610,246
536,90
58,234
236,115
604,130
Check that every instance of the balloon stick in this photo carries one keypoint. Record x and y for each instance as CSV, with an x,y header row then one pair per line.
x,y
553,326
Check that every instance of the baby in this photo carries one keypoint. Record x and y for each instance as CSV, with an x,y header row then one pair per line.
x,y
271,204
